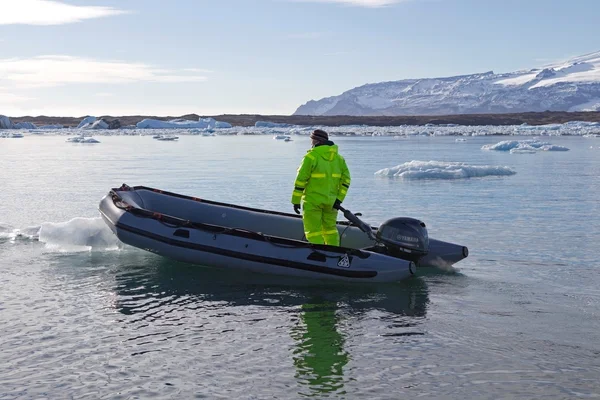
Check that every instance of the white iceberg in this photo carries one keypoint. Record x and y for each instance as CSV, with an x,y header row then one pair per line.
x,y
165,138
82,139
86,121
179,123
530,144
420,170
98,124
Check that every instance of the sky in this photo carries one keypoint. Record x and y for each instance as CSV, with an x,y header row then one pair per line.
x,y
212,57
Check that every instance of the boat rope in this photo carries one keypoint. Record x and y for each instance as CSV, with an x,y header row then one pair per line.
x,y
173,222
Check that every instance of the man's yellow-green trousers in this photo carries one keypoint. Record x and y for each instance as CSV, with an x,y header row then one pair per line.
x,y
320,224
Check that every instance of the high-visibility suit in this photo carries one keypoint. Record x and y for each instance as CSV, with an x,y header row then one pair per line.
x,y
322,178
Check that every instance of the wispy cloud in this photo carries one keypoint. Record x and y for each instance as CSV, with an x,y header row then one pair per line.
x,y
10,98
46,71
49,12
199,70
359,3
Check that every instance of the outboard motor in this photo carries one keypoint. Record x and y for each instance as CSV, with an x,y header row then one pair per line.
x,y
405,238
401,237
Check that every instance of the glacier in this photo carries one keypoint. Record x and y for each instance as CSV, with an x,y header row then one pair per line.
x,y
572,85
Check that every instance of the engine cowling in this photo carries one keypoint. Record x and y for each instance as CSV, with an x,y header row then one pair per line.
x,y
404,237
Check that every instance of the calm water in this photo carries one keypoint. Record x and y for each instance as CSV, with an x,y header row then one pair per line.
x,y
520,318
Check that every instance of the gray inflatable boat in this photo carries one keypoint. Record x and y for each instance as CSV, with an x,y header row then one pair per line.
x,y
214,234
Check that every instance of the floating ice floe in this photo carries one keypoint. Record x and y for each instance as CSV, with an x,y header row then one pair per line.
x,y
82,139
523,146
420,170
50,127
165,138
12,135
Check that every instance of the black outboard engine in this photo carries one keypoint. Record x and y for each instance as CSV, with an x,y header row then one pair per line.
x,y
405,238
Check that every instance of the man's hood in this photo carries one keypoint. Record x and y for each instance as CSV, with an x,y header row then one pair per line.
x,y
327,150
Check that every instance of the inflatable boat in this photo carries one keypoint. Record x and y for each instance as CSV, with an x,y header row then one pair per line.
x,y
209,233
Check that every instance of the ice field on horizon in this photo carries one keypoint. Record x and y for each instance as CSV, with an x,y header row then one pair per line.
x,y
574,128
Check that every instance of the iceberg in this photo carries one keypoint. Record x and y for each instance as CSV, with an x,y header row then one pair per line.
x,y
99,124
165,138
82,139
86,121
421,170
180,123
223,125
529,145
5,122
267,124
24,125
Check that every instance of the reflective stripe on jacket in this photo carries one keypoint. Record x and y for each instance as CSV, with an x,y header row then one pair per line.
x,y
323,176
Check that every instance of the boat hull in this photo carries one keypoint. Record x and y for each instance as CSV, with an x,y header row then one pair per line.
x,y
225,236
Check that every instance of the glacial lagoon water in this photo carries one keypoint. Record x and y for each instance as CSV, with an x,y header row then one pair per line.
x,y
83,317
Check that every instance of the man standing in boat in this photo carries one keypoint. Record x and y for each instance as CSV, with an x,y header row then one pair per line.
x,y
321,184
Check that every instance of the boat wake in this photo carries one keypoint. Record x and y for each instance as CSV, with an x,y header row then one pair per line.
x,y
77,235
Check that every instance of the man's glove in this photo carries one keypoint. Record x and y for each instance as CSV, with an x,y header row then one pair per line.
x,y
297,208
337,204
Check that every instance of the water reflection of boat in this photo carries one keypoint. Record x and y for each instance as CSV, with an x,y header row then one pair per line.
x,y
218,313
150,289
165,281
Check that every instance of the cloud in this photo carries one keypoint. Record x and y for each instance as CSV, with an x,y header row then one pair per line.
x,y
56,70
50,12
10,98
359,3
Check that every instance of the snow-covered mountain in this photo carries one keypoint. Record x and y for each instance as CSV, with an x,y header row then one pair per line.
x,y
573,85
